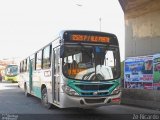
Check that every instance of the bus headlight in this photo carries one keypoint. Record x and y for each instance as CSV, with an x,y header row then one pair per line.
x,y
116,90
69,90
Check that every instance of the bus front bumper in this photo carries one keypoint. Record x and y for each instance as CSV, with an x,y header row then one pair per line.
x,y
87,102
14,78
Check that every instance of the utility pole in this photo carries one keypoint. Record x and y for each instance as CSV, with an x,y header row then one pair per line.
x,y
100,19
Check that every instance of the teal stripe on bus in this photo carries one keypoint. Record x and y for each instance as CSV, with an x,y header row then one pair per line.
x,y
37,91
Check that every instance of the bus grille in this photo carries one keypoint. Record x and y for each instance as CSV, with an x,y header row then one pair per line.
x,y
92,93
95,87
100,100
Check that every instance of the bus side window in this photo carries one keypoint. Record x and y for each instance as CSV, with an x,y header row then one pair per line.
x,y
20,67
46,59
27,64
23,66
34,62
32,59
39,60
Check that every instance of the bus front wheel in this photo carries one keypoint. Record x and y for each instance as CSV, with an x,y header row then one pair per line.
x,y
44,99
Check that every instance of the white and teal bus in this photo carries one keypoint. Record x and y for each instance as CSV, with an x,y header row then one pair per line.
x,y
77,69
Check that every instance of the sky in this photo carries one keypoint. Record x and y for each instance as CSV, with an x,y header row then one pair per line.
x,y
28,25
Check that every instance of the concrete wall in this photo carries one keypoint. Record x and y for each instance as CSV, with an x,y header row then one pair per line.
x,y
142,35
143,98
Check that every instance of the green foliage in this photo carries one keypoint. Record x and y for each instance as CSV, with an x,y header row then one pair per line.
x,y
122,70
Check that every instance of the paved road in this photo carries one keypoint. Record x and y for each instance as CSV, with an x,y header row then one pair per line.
x,y
13,104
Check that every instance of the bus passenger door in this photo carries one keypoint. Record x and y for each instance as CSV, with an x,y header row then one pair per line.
x,y
30,74
56,76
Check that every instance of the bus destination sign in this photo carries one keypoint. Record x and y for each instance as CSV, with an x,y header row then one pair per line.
x,y
90,38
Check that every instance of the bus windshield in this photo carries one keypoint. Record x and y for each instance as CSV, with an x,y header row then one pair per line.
x,y
89,62
11,70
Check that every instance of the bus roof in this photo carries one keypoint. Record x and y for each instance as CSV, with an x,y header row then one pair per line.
x,y
65,36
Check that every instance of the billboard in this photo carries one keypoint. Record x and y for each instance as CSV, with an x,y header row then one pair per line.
x,y
156,75
142,72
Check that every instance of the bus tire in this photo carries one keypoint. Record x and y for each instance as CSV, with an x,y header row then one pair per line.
x,y
26,91
44,99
